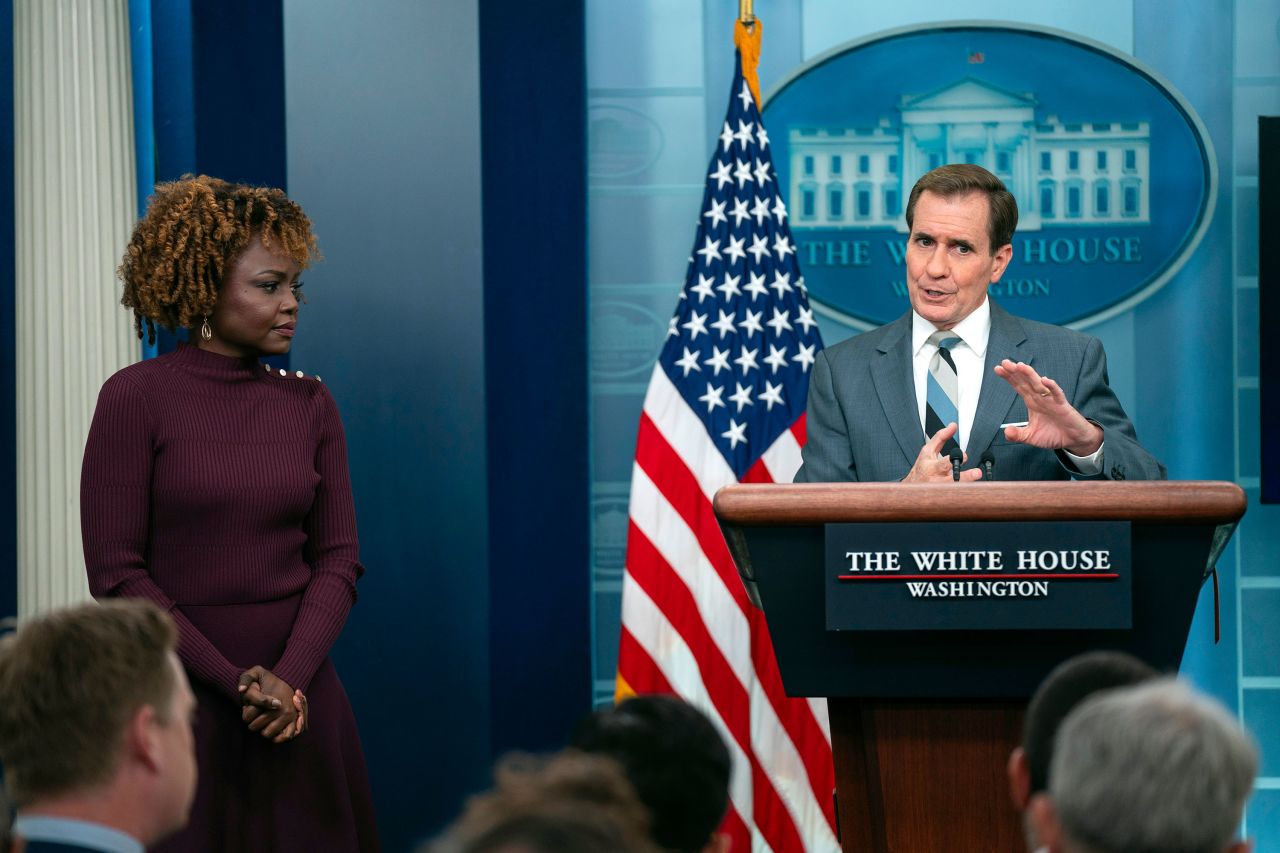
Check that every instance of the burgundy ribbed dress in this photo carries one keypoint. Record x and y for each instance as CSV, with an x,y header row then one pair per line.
x,y
219,490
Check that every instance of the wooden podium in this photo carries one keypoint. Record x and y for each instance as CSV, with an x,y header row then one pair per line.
x,y
922,722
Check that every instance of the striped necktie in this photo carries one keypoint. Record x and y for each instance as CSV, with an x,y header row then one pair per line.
x,y
943,397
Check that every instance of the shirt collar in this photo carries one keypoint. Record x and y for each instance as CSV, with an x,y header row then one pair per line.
x,y
974,330
94,836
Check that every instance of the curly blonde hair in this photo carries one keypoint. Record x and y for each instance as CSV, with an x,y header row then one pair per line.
x,y
193,229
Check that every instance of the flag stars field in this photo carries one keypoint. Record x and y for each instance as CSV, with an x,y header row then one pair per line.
x,y
772,395
804,316
710,251
712,397
721,175
689,361
726,137
697,325
729,287
781,283
724,325
779,323
735,252
703,288
760,210
719,360
737,432
716,213
805,356
777,358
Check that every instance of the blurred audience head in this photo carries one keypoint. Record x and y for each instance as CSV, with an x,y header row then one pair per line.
x,y
7,844
95,719
677,762
569,803
1155,768
1070,683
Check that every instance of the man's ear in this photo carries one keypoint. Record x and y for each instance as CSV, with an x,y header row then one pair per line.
x,y
141,738
1002,256
1043,816
720,843
1019,778
1245,846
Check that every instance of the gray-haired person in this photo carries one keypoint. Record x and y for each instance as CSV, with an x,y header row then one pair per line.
x,y
1156,768
1062,691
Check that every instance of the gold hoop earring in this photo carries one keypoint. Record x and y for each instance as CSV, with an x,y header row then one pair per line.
x,y
206,333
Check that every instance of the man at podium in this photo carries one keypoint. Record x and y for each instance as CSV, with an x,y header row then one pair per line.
x,y
958,388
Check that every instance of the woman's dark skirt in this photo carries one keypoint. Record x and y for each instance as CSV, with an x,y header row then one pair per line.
x,y
307,794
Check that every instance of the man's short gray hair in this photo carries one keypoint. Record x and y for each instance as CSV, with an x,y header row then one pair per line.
x,y
1156,768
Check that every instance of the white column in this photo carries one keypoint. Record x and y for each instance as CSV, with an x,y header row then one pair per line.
x,y
75,200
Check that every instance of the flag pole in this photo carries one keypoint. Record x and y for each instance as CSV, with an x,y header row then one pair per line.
x,y
747,32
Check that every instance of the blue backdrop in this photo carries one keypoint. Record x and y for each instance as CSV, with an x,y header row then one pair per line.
x,y
438,148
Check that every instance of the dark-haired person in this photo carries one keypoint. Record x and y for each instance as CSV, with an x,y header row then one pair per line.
x,y
677,762
95,729
216,486
888,404
1068,685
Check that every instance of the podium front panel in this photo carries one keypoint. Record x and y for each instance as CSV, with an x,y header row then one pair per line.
x,y
789,571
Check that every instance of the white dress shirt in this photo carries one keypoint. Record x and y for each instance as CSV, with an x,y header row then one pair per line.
x,y
970,356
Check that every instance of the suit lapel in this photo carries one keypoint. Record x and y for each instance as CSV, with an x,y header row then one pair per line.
x,y
892,373
1007,340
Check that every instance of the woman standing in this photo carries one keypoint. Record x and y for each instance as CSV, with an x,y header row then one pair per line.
x,y
217,487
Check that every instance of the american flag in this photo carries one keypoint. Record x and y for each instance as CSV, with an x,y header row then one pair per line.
x,y
726,405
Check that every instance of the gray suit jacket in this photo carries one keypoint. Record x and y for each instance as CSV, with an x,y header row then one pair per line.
x,y
863,420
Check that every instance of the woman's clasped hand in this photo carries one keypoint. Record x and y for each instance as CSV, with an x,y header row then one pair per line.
x,y
271,707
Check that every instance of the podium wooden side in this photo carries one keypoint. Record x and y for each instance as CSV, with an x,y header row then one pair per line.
x,y
922,722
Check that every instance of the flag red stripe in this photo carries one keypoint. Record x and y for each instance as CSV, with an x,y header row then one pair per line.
x,y
772,819
665,588
674,479
656,577
757,473
668,471
800,430
797,719
638,669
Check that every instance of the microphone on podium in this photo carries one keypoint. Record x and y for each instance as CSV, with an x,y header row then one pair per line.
x,y
988,465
